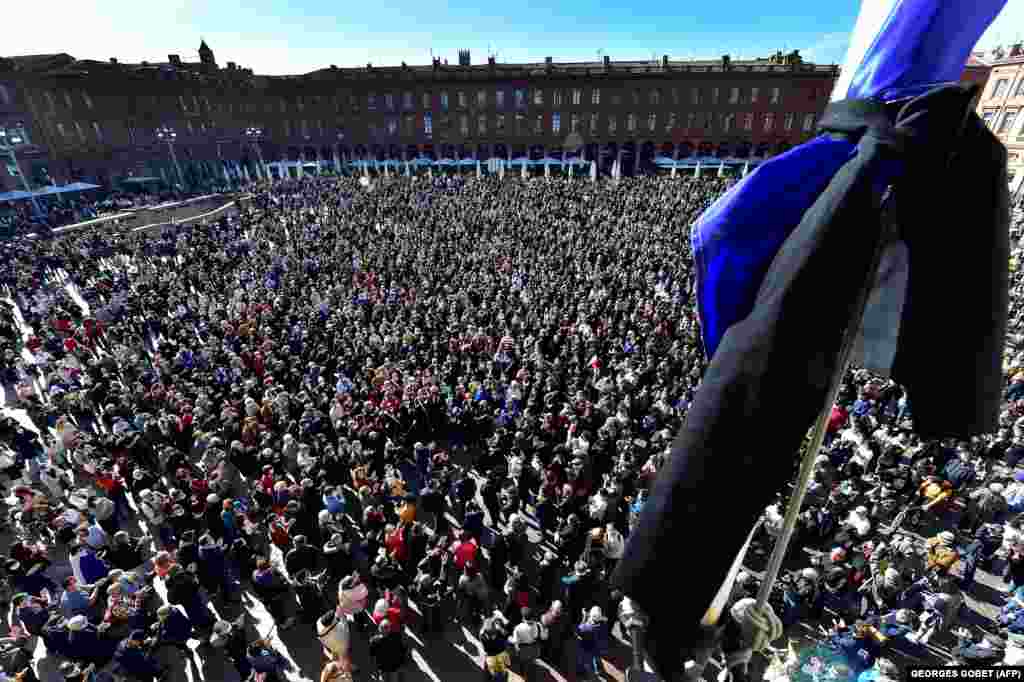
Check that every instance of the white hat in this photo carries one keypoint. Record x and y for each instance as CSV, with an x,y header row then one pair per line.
x,y
77,623
810,574
997,488
947,537
597,615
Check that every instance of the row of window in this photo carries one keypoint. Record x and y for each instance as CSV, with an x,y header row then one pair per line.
x,y
51,101
79,130
1005,122
520,98
1001,86
574,97
575,123
520,125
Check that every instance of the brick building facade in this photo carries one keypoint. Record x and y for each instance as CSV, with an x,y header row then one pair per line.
x,y
88,120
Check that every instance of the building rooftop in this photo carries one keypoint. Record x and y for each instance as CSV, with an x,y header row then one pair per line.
x,y
64,64
1004,54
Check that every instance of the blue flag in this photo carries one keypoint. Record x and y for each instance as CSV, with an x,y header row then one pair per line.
x,y
900,48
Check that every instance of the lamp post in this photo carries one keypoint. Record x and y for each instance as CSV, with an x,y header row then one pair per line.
x,y
254,135
166,134
7,149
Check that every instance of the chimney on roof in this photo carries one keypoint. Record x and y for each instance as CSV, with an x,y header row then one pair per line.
x,y
113,60
607,63
490,60
464,58
174,59
232,66
547,64
437,63
664,61
726,62
369,66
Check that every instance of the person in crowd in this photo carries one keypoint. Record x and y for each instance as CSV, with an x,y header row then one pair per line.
x,y
388,651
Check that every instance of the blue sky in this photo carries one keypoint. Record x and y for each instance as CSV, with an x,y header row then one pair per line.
x,y
296,36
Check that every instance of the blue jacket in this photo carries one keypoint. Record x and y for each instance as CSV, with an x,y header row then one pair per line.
x,y
958,472
860,654
33,618
593,638
211,562
474,522
176,628
74,603
134,661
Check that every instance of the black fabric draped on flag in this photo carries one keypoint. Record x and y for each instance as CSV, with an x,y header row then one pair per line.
x,y
942,175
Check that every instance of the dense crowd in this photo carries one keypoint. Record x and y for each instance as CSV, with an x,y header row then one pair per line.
x,y
423,401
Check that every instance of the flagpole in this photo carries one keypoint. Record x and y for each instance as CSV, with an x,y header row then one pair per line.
x,y
806,472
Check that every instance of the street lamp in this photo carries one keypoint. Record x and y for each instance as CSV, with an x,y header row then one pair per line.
x,y
254,134
166,134
7,149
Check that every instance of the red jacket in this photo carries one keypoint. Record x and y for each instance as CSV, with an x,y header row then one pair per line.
x,y
465,553
837,419
396,544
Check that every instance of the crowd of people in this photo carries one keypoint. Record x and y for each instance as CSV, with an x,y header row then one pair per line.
x,y
385,407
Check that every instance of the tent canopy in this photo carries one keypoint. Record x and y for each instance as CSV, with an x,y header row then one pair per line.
x,y
79,187
20,195
15,195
